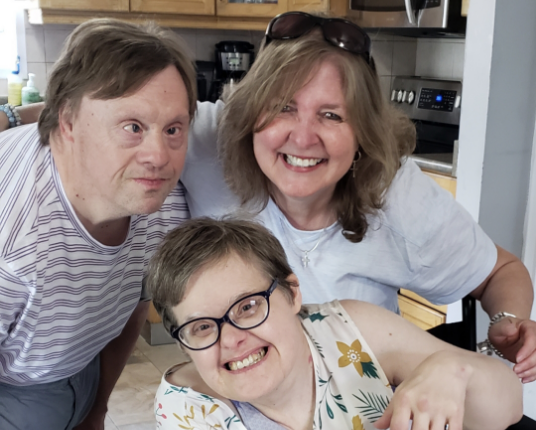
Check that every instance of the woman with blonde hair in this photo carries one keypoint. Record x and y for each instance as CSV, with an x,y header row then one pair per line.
x,y
312,149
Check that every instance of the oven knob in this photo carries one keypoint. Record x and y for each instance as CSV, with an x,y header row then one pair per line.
x,y
404,96
411,97
457,101
399,96
393,95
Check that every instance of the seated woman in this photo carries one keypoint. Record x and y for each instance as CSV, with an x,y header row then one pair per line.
x,y
225,291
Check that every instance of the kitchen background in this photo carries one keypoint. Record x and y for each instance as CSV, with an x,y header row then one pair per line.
x,y
496,125
394,55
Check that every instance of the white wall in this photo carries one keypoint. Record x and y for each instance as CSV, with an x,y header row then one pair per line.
x,y
497,127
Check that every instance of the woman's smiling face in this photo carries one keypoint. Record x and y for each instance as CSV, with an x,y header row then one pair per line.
x,y
271,347
310,145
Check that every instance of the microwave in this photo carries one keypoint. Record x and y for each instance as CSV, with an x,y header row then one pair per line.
x,y
428,18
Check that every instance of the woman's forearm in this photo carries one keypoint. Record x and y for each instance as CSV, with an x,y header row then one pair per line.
x,y
494,395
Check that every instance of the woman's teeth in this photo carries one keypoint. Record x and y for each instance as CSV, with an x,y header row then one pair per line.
x,y
248,361
302,162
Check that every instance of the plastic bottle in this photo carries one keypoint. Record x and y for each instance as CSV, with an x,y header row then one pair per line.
x,y
14,87
30,93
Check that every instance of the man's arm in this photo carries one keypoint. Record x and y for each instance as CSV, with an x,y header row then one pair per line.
x,y
508,288
112,361
28,114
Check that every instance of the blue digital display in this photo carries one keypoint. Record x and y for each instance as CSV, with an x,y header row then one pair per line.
x,y
439,98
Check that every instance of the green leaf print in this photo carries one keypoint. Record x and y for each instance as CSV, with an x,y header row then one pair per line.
x,y
316,317
369,369
330,412
342,407
173,389
373,405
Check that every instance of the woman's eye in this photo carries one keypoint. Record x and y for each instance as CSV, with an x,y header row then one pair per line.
x,y
333,116
132,128
286,108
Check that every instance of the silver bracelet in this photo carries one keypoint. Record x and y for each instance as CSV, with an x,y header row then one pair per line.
x,y
486,347
13,116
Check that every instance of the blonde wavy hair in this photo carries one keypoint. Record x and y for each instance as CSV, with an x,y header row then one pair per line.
x,y
384,134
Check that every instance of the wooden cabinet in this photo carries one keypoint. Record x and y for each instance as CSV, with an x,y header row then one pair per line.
x,y
88,5
465,7
185,7
261,10
216,14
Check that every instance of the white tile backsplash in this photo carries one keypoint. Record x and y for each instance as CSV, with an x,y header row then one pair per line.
x,y
35,44
382,51
54,40
394,55
440,58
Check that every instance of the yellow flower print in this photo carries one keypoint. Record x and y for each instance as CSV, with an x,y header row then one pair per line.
x,y
353,354
356,423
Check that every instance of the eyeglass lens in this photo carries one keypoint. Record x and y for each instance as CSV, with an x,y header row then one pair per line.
x,y
247,313
345,36
291,26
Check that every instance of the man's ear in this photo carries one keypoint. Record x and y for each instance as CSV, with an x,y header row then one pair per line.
x,y
296,292
65,124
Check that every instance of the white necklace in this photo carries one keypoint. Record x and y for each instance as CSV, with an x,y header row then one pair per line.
x,y
305,257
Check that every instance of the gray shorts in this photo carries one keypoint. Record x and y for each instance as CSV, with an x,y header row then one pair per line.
x,y
52,406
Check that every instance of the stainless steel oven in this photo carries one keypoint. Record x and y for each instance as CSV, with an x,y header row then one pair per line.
x,y
410,17
434,107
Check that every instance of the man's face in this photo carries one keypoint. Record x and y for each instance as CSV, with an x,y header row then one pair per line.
x,y
123,156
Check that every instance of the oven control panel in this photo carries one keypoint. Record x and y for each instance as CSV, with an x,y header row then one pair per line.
x,y
435,100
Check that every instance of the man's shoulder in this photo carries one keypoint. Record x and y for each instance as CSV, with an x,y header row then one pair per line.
x,y
24,184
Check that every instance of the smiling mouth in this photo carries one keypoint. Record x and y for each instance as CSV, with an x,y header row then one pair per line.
x,y
248,361
302,162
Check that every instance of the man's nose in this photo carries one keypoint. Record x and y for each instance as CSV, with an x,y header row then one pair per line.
x,y
155,152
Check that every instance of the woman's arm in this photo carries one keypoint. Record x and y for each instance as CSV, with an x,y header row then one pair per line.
x,y
508,288
437,383
28,114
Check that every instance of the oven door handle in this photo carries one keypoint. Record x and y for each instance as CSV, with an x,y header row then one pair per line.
x,y
410,13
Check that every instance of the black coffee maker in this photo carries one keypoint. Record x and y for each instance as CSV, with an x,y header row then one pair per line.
x,y
233,60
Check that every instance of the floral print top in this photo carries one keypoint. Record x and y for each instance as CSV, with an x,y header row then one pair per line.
x,y
352,390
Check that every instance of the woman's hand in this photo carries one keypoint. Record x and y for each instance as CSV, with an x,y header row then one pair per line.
x,y
433,396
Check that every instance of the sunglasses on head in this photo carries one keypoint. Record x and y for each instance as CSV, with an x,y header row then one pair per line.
x,y
339,32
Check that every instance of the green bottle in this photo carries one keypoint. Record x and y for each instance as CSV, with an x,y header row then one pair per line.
x,y
30,94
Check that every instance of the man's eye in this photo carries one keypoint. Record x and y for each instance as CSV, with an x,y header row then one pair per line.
x,y
132,128
173,130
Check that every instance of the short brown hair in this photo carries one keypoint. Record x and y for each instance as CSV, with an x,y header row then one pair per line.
x,y
107,59
203,241
383,133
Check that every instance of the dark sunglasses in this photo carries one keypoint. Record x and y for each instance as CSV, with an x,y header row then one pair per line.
x,y
337,31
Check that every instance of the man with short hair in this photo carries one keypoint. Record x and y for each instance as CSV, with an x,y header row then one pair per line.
x,y
86,197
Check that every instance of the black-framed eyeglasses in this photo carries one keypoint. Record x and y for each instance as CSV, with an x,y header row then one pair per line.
x,y
337,31
246,313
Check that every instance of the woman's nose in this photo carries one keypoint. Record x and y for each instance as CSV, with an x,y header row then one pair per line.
x,y
231,337
304,133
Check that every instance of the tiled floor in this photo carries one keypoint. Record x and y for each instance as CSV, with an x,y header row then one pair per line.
x,y
131,403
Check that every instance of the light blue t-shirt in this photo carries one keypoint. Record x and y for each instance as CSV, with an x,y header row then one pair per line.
x,y
421,240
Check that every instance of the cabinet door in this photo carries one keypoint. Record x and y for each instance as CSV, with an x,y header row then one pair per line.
x,y
420,315
263,9
93,5
179,7
309,5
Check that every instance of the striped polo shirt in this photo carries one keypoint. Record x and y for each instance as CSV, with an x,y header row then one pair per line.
x,y
63,295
